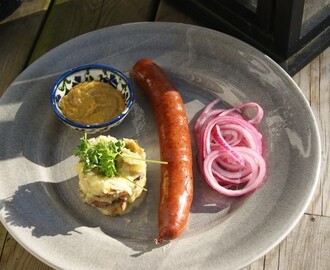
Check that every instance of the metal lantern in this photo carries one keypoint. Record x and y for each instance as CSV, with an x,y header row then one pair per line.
x,y
292,32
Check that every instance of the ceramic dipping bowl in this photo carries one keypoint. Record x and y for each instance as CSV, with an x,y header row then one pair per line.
x,y
92,72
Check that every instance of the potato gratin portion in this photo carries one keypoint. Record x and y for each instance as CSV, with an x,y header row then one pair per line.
x,y
115,195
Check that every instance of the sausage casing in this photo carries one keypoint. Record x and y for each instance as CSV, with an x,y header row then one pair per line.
x,y
176,190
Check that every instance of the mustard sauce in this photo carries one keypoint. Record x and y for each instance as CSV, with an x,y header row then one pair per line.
x,y
92,103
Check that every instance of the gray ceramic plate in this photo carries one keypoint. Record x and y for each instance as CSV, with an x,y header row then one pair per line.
x,y
40,204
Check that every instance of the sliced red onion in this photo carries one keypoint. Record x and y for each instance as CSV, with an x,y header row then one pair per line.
x,y
230,148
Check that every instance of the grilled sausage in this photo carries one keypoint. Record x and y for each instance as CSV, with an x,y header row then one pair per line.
x,y
176,190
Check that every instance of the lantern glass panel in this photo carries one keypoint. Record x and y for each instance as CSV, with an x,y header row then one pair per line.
x,y
314,12
249,4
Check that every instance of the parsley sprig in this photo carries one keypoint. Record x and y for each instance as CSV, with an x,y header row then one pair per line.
x,y
100,157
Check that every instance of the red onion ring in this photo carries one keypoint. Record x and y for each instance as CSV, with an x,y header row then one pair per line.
x,y
230,148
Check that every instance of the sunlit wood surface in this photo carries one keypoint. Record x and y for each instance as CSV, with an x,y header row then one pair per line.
x,y
37,26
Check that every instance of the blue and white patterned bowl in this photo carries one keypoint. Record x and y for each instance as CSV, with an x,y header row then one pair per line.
x,y
92,72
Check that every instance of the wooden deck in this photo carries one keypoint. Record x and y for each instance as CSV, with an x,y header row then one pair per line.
x,y
40,25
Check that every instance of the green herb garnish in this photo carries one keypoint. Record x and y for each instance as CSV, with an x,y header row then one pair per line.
x,y
101,157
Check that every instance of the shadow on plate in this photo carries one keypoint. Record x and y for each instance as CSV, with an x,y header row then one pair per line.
x,y
50,209
56,214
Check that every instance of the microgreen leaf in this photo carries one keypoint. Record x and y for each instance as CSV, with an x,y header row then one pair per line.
x,y
101,157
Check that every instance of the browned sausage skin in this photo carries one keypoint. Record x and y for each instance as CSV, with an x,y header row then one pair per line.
x,y
176,191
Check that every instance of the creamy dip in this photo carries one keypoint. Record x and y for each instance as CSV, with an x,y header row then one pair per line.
x,y
92,103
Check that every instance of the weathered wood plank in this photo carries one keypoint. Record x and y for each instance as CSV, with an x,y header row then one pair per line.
x,y
307,246
316,205
119,12
313,80
3,235
307,81
257,265
168,12
28,7
14,257
16,42
324,124
68,19
271,259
